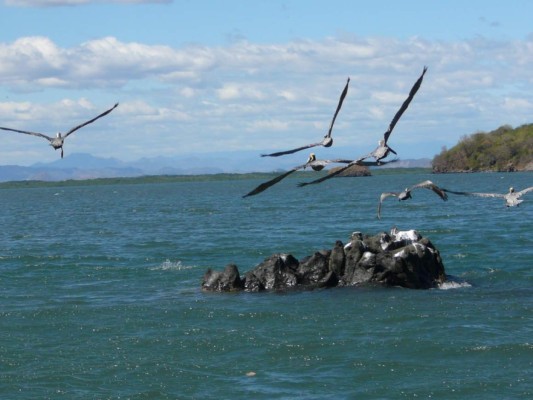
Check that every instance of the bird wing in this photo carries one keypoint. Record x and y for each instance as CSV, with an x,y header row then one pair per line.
x,y
265,185
404,106
523,192
342,169
90,121
475,194
28,133
430,185
341,99
281,153
383,197
325,177
337,161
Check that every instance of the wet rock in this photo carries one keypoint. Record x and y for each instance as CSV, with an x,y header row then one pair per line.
x,y
398,258
227,281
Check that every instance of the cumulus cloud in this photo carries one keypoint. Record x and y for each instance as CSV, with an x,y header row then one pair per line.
x,y
257,93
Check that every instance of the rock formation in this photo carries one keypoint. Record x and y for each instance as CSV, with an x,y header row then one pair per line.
x,y
398,258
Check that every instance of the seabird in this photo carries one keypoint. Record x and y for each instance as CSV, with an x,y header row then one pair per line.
x,y
383,150
406,193
359,161
58,141
312,162
327,141
512,198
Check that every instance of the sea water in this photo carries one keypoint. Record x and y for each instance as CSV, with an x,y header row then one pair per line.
x,y
100,293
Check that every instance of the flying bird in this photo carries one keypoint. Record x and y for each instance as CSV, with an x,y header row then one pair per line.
x,y
383,149
312,162
512,198
58,141
327,141
406,193
338,171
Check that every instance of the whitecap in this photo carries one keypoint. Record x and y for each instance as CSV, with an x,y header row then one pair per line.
x,y
168,265
454,285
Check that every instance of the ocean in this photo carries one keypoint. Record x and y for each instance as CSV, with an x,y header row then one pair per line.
x,y
100,293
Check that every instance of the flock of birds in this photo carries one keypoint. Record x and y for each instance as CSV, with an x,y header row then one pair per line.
x,y
512,198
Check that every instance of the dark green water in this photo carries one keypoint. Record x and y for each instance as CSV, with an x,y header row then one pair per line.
x,y
100,299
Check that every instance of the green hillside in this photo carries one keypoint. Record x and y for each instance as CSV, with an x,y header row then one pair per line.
x,y
504,149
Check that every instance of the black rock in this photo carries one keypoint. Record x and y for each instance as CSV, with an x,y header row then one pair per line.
x,y
398,258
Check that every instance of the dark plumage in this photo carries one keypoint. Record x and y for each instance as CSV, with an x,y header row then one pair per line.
x,y
406,193
327,141
58,141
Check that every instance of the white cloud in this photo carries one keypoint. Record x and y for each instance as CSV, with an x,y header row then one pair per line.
x,y
256,93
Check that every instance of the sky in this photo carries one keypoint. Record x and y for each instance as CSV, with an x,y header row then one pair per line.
x,y
202,77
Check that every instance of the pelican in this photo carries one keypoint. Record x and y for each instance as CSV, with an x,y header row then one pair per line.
x,y
359,161
327,141
512,198
58,141
312,162
383,150
316,165
406,193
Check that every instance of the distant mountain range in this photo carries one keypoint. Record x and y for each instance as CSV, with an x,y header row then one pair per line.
x,y
85,166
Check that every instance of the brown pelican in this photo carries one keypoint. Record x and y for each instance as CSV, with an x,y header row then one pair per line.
x,y
406,193
512,198
316,165
312,162
327,141
383,150
58,141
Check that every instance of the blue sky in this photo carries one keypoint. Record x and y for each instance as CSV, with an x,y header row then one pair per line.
x,y
196,77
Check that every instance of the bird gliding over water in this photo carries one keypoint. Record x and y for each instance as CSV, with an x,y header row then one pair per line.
x,y
58,141
327,141
512,198
312,162
406,193
383,150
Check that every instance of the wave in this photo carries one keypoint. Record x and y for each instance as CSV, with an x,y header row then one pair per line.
x,y
451,284
168,265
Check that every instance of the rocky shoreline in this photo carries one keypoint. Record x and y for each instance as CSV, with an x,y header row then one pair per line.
x,y
398,258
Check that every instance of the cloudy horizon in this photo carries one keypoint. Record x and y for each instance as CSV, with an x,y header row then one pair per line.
x,y
246,91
